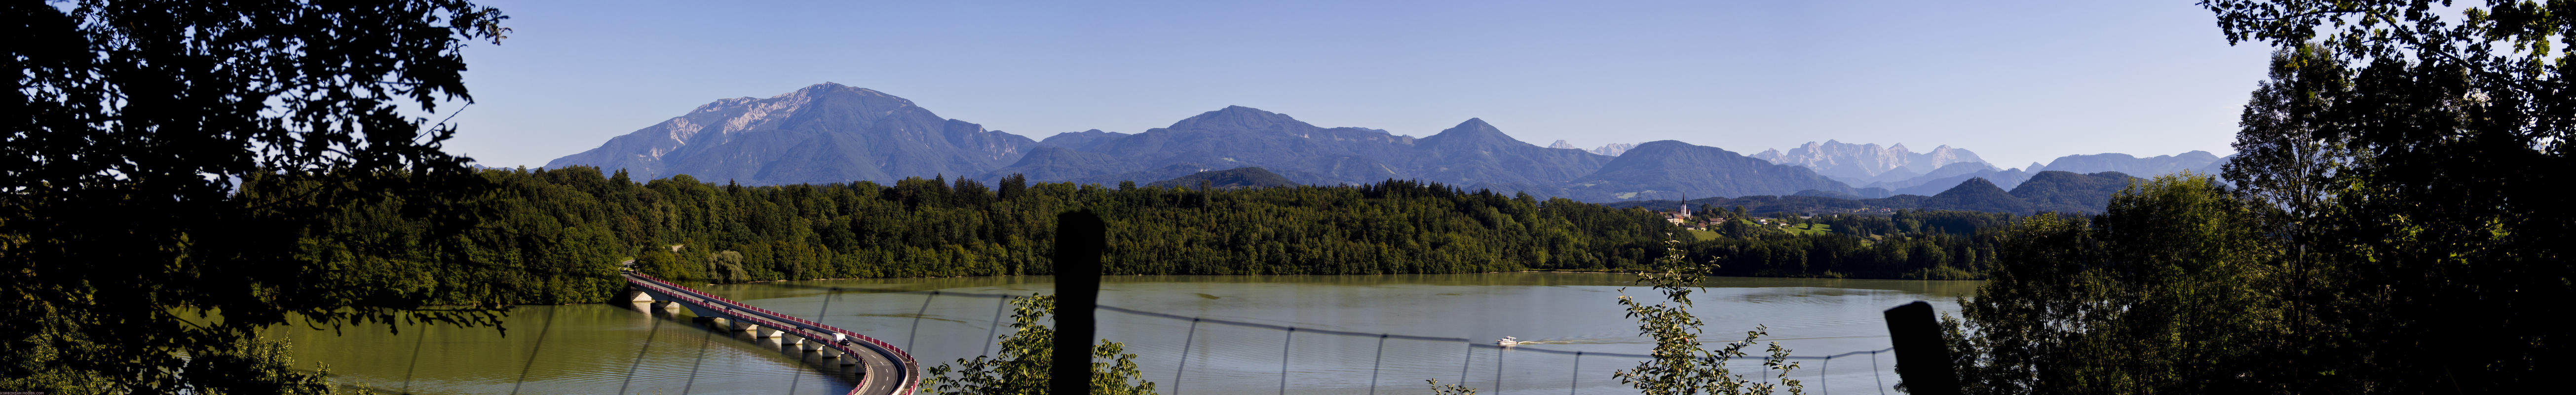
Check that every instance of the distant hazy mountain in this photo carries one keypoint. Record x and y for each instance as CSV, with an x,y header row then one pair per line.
x,y
1977,195
1473,154
1235,136
2047,191
2213,168
1614,149
824,133
1082,140
2126,164
1950,174
1237,178
1941,179
1673,169
1836,195
1561,144
1932,184
2066,191
1862,164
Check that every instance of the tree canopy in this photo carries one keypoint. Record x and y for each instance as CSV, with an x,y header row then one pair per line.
x,y
126,236
2396,224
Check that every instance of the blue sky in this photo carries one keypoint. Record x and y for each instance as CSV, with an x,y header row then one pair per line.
x,y
2014,81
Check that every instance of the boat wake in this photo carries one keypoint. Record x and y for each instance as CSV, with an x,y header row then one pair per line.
x,y
1595,339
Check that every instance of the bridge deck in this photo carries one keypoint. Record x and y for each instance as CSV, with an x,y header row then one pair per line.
x,y
889,370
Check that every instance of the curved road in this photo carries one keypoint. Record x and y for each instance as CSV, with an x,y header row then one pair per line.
x,y
889,370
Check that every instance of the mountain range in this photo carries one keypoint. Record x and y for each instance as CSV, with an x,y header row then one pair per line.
x,y
2047,191
1862,164
830,133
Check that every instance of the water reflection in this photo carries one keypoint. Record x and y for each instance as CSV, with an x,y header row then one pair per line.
x,y
597,348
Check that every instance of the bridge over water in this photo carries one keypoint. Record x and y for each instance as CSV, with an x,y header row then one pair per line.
x,y
881,368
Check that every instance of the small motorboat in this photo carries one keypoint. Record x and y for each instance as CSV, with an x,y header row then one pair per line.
x,y
1508,341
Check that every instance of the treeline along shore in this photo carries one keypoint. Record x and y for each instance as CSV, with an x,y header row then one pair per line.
x,y
558,235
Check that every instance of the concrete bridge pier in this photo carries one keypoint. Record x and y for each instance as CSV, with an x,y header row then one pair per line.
x,y
767,332
815,345
741,326
636,295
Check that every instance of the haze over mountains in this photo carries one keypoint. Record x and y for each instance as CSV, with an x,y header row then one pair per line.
x,y
829,133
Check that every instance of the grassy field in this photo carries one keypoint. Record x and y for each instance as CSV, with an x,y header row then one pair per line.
x,y
1814,229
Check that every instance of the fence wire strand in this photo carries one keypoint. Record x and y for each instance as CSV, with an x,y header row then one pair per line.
x,y
1180,370
1377,366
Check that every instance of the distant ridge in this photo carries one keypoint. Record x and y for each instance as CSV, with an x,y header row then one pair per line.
x,y
2126,164
1080,140
825,133
1862,164
1976,194
830,133
1614,149
1236,178
2069,192
2048,191
1473,154
1672,169
1903,181
1235,136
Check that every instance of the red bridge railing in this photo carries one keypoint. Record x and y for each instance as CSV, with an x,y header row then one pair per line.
x,y
910,374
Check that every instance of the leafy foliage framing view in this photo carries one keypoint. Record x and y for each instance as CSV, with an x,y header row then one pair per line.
x,y
1681,364
2396,224
1027,360
130,260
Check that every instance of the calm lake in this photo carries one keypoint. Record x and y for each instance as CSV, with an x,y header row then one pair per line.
x,y
627,349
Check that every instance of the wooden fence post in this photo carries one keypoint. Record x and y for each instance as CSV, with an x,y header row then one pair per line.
x,y
1922,361
1079,238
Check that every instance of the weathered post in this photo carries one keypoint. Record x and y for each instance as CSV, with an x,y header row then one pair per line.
x,y
1079,238
1922,361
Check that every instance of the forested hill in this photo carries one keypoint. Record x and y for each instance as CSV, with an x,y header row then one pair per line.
x,y
556,236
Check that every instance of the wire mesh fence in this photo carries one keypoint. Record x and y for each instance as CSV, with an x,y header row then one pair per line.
x,y
1215,355
1196,353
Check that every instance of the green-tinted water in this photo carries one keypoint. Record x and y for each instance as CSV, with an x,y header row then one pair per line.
x,y
593,348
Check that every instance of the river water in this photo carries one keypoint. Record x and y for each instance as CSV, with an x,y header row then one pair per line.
x,y
1239,346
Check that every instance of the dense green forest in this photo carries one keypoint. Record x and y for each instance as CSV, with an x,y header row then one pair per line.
x,y
1906,244
556,235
